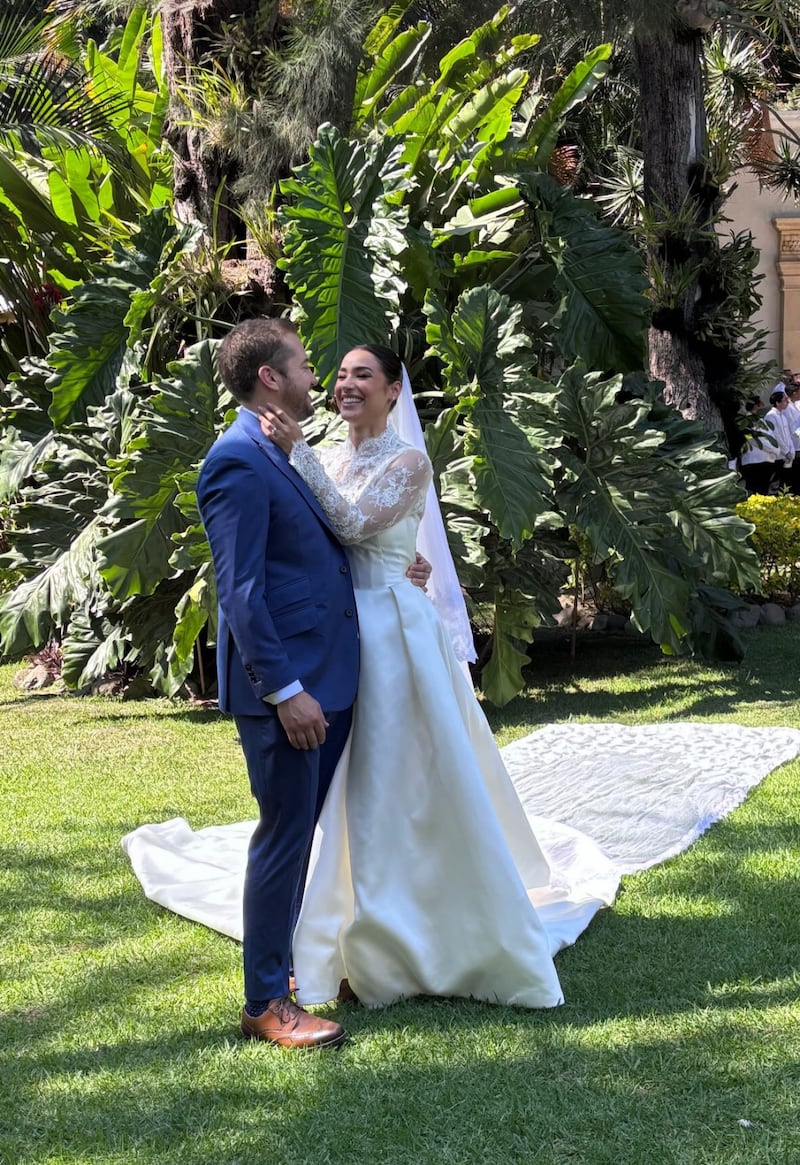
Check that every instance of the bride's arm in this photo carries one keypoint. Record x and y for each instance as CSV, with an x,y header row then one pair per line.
x,y
389,496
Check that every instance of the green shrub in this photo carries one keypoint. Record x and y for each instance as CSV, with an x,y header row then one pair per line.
x,y
777,540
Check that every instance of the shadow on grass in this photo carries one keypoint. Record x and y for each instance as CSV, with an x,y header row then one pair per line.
x,y
113,708
430,1080
33,698
546,707
423,1081
744,927
182,715
602,656
100,1070
557,690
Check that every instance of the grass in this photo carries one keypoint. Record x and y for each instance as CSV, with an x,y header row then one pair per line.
x,y
118,1038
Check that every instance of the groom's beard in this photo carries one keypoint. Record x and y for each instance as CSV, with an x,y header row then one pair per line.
x,y
299,407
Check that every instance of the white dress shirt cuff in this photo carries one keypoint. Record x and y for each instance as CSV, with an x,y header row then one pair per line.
x,y
284,693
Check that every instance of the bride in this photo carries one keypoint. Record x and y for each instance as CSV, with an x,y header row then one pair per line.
x,y
424,855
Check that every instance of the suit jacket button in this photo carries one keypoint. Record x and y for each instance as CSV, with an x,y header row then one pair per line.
x,y
349,612
342,569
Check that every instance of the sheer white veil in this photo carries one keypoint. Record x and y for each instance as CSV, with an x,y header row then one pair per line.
x,y
444,587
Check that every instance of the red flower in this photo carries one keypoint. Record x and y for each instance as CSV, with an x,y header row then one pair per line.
x,y
46,297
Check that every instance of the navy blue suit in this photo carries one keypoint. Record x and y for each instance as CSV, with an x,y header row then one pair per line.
x,y
286,612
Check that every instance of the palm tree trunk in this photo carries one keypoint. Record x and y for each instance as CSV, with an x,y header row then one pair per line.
x,y
669,60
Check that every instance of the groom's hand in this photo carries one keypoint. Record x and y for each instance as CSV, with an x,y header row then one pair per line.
x,y
419,572
303,721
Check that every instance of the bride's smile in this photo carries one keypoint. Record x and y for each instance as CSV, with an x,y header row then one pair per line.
x,y
364,394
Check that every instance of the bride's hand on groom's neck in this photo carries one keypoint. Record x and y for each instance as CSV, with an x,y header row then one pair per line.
x,y
279,427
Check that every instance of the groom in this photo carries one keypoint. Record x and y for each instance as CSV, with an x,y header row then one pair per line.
x,y
287,655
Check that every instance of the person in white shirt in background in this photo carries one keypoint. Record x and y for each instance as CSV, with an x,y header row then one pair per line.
x,y
793,413
778,420
757,460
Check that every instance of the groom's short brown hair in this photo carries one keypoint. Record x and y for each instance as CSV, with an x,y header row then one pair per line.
x,y
249,346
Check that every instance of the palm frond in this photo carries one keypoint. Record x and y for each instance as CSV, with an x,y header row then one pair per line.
x,y
46,99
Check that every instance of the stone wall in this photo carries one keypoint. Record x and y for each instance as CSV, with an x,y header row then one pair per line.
x,y
775,226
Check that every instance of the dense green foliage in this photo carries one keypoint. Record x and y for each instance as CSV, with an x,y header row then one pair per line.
x,y
81,158
520,311
447,220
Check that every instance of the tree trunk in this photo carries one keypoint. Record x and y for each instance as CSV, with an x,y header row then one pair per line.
x,y
201,173
673,124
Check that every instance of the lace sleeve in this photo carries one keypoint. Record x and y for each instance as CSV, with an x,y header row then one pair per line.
x,y
389,495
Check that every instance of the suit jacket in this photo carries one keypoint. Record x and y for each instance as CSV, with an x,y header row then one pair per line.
x,y
286,604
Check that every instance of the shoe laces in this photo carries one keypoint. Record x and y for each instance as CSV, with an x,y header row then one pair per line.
x,y
285,1009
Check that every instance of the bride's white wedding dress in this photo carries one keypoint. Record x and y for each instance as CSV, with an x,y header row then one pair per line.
x,y
424,855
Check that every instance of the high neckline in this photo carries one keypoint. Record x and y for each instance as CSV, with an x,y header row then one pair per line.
x,y
371,445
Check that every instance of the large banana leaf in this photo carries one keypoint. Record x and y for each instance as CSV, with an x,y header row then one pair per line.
x,y
30,208
474,59
453,125
542,133
486,219
487,114
343,235
390,58
139,120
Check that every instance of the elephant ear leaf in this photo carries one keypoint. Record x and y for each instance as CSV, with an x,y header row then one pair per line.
x,y
92,645
176,431
628,500
38,606
57,521
514,623
343,233
600,276
91,343
486,357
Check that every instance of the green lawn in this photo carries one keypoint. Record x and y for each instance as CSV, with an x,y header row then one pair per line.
x,y
119,1026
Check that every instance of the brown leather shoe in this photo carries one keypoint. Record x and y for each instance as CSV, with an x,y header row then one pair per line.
x,y
286,1024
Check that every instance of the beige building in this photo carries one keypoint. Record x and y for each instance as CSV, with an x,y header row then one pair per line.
x,y
775,226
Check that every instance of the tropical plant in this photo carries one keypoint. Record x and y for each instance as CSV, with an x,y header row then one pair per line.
x,y
776,537
523,315
698,76
453,166
92,463
81,157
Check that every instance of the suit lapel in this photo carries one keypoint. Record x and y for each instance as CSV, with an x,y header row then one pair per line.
x,y
281,462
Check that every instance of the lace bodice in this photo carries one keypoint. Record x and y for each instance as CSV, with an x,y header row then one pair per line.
x,y
367,489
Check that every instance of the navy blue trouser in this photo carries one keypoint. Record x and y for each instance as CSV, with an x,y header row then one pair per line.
x,y
290,786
